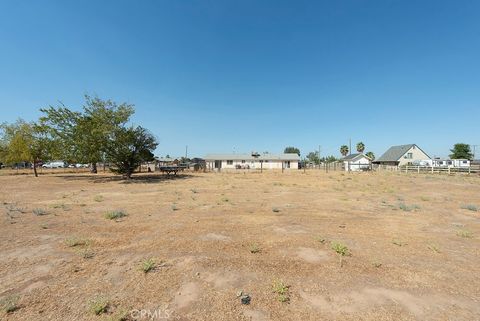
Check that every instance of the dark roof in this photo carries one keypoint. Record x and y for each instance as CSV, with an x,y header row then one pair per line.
x,y
353,157
394,153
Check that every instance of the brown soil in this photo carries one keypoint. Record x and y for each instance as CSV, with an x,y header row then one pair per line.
x,y
421,262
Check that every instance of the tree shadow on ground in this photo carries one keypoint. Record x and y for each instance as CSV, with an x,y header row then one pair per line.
x,y
135,179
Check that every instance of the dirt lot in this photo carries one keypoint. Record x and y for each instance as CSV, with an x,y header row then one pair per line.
x,y
413,247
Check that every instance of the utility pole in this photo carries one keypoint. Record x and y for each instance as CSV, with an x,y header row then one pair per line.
x,y
186,151
350,147
474,148
319,149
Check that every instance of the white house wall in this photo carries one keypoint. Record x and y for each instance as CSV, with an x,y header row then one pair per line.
x,y
417,155
271,164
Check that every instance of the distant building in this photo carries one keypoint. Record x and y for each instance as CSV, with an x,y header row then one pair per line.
x,y
252,161
402,155
451,163
356,162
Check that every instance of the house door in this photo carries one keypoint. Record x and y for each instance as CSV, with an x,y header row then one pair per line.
x,y
287,164
218,164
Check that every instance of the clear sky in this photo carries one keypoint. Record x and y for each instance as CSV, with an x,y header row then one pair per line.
x,y
223,76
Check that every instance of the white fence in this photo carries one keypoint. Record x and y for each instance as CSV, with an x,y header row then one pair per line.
x,y
430,169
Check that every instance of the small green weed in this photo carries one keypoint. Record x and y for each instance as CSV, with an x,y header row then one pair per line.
x,y
114,215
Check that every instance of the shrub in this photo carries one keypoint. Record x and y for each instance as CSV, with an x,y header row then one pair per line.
x,y
340,248
113,215
99,305
470,207
39,211
148,265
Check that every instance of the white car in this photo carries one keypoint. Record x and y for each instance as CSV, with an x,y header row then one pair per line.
x,y
55,164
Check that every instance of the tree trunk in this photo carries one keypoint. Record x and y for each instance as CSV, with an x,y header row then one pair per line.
x,y
35,168
94,168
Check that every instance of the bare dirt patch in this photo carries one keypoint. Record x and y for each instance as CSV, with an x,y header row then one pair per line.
x,y
413,249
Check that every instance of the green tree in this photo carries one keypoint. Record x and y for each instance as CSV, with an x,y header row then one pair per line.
x,y
370,155
329,159
360,147
461,151
344,150
25,141
84,135
292,150
128,147
313,157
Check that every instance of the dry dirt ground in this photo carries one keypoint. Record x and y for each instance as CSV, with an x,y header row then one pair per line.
x,y
413,247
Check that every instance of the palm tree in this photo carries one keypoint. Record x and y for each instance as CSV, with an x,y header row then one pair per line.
x,y
360,147
370,155
344,150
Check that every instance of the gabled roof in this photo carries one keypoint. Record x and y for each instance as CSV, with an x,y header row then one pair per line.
x,y
249,157
354,157
394,153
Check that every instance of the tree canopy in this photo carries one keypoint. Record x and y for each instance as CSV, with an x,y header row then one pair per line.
x,y
370,155
461,151
360,147
24,141
128,147
292,150
313,157
344,150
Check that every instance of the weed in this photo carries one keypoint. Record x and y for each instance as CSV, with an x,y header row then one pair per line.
x,y
408,208
281,289
98,198
434,248
464,234
424,198
399,243
470,207
174,207
39,211
99,305
194,191
225,200
340,248
86,253
320,239
113,215
275,210
74,241
10,304
377,264
148,265
254,248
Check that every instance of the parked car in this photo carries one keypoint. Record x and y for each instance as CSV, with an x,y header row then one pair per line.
x,y
55,164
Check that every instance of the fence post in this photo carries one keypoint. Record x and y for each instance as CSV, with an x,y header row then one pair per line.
x,y
406,169
418,169
449,170
432,168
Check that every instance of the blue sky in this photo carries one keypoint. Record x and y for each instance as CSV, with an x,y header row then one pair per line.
x,y
224,76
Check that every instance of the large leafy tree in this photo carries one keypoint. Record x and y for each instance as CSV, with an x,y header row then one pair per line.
x,y
370,155
84,135
128,147
461,151
292,150
344,150
28,142
360,147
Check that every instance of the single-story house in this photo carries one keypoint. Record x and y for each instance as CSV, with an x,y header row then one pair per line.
x,y
252,161
402,155
356,162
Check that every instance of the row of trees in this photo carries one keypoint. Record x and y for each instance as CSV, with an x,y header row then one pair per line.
x,y
344,150
98,133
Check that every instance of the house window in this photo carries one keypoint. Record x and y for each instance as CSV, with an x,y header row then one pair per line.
x,y
266,161
229,162
464,162
243,161
409,155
